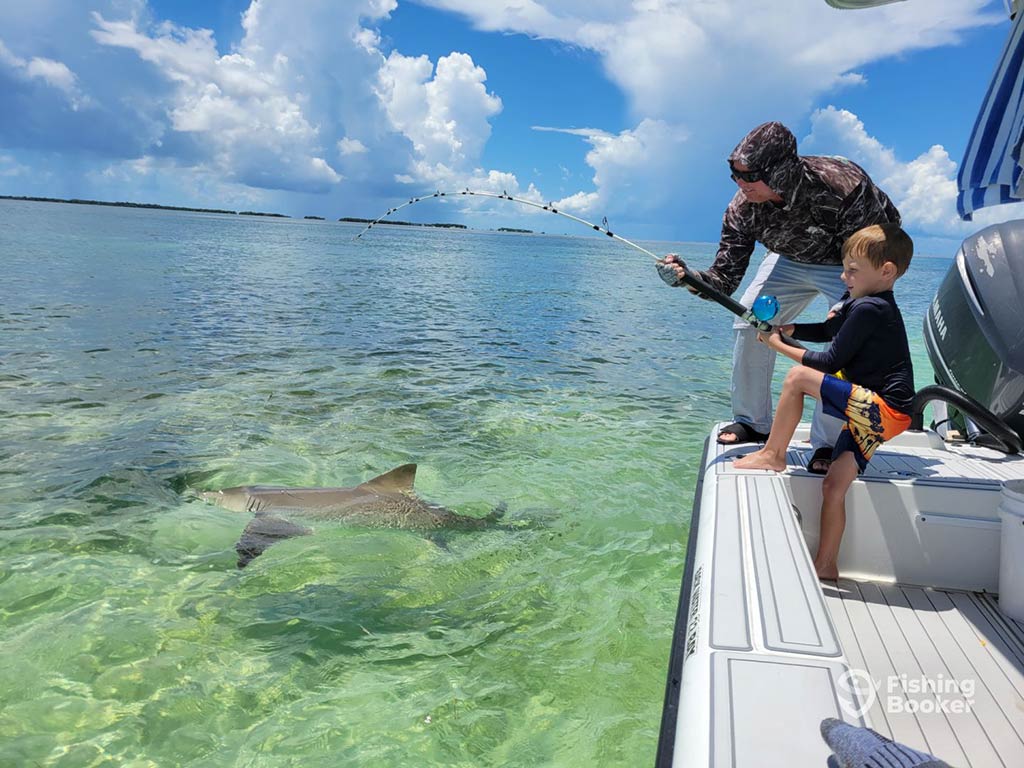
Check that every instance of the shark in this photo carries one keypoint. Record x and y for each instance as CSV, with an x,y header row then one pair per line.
x,y
386,501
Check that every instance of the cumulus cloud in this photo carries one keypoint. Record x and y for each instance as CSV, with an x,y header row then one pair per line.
x,y
245,112
445,112
275,113
711,71
326,55
923,188
287,107
154,178
669,55
11,167
347,146
630,167
55,74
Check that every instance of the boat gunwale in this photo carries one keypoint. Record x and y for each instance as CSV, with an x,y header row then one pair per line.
x,y
670,707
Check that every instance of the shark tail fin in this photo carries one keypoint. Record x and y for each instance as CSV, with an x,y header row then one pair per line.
x,y
398,480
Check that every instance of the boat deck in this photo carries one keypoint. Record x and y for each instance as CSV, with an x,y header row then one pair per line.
x,y
949,655
910,642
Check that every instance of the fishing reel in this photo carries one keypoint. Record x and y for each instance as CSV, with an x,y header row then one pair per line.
x,y
765,307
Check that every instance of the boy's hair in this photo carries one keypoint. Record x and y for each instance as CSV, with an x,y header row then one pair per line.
x,y
880,243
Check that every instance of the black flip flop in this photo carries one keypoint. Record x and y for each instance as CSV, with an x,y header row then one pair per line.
x,y
822,458
744,434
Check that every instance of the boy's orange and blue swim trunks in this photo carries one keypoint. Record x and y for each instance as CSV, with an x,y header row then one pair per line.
x,y
870,421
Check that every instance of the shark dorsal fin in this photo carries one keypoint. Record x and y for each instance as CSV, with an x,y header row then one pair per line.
x,y
398,480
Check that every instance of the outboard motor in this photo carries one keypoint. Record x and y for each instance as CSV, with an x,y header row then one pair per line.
x,y
974,329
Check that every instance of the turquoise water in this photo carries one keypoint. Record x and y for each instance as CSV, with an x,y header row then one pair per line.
x,y
145,355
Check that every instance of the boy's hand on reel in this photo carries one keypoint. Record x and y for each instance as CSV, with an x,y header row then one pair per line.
x,y
774,339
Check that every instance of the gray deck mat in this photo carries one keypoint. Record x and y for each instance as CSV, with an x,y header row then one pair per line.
x,y
952,641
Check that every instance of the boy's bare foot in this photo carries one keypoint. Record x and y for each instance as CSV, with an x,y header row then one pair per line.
x,y
760,460
827,573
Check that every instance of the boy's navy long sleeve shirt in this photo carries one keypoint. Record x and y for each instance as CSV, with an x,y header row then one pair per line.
x,y
869,345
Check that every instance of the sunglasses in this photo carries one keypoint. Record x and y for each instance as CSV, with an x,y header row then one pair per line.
x,y
751,177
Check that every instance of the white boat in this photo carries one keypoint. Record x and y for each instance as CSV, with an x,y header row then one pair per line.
x,y
922,637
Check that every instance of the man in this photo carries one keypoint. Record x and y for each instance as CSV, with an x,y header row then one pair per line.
x,y
801,209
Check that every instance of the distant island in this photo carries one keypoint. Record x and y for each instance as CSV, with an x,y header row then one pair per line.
x,y
157,207
353,220
153,206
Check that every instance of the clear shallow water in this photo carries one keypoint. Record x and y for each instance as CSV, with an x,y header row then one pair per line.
x,y
145,355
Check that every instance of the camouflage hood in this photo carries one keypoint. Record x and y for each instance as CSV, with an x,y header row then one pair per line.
x,y
772,147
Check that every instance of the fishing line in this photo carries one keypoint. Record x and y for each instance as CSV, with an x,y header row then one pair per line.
x,y
702,287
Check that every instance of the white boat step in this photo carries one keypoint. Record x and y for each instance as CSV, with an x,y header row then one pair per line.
x,y
756,516
797,692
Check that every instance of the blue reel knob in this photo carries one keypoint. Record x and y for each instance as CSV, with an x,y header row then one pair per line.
x,y
765,308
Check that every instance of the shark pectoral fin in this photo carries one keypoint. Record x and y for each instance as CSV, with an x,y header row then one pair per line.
x,y
497,513
398,480
440,539
263,532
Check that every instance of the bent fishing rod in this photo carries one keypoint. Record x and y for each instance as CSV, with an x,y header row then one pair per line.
x,y
702,287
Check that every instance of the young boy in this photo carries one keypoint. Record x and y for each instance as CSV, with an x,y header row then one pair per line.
x,y
869,347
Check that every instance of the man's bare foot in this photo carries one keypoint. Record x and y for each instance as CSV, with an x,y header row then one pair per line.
x,y
760,460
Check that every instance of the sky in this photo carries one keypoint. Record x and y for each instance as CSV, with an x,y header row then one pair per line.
x,y
607,108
